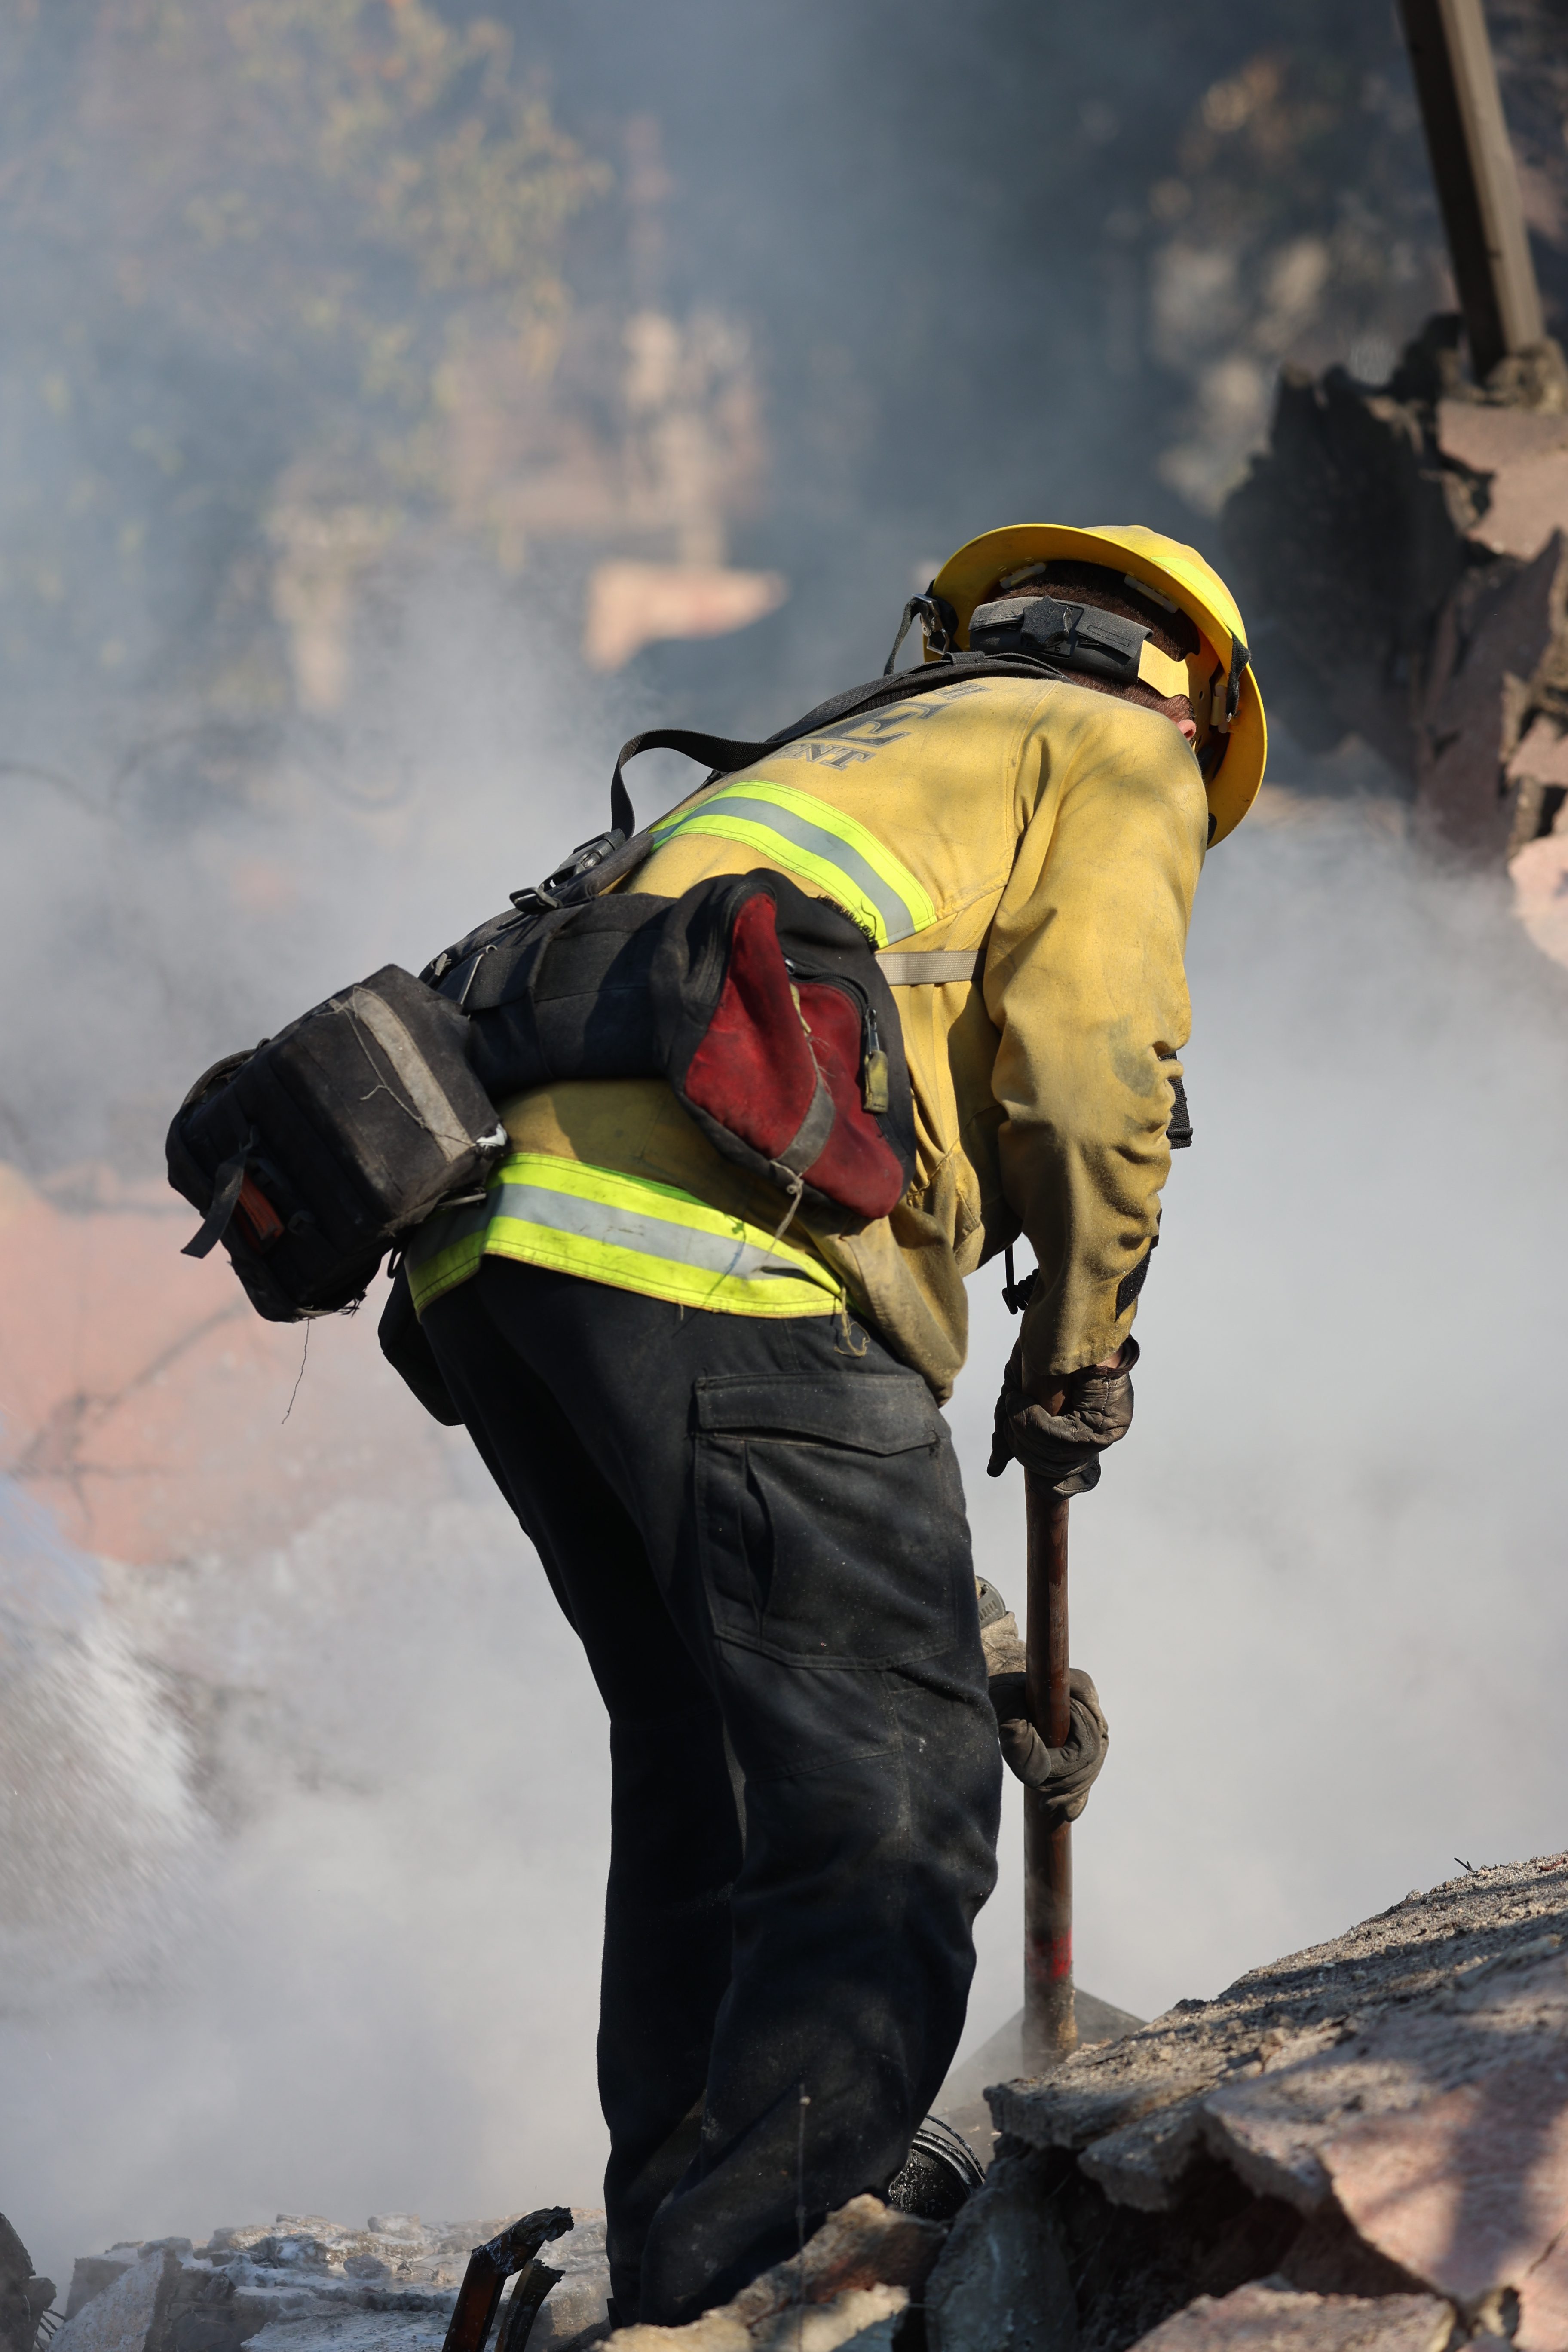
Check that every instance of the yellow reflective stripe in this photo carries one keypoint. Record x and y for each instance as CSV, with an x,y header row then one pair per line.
x,y
809,836
628,1231
446,1250
828,876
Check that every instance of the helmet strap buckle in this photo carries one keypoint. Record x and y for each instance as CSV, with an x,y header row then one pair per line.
x,y
937,618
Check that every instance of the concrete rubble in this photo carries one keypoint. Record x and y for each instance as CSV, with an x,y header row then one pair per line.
x,y
305,2284
1383,2118
23,2297
1273,2319
1361,2148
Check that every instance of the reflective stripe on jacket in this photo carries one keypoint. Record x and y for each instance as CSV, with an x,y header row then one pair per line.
x,y
817,843
623,1231
1048,840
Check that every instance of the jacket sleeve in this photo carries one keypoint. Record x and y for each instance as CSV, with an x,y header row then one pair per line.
x,y
1085,981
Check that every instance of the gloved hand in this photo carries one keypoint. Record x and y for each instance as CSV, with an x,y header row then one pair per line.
x,y
1066,1774
1063,1448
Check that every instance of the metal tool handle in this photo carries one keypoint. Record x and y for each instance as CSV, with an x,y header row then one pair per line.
x,y
1050,2027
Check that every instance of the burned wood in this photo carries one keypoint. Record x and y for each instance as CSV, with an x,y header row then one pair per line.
x,y
489,2267
526,2297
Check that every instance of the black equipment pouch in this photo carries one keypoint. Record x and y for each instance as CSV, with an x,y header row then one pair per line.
x,y
308,1157
765,1009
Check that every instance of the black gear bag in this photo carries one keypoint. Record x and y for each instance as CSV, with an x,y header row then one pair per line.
x,y
310,1155
765,1009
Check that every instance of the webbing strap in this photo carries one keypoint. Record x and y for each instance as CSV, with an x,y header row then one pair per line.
x,y
725,757
597,866
929,967
228,1182
1239,657
716,752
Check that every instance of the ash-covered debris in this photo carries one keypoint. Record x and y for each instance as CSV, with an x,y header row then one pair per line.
x,y
303,2283
850,2285
1383,2118
24,2298
1275,2319
1361,2147
1400,549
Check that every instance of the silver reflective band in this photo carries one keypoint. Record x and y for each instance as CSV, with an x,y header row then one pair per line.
x,y
929,967
790,825
598,1220
444,1229
425,1089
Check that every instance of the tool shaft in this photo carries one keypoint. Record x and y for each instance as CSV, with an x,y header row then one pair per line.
x,y
1477,181
1050,2028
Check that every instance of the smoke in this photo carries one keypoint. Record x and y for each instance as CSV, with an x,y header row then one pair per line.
x,y
373,1988
303,1870
100,1825
180,921
303,1858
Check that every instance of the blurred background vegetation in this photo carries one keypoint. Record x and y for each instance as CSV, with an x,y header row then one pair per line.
x,y
298,288
698,333
254,242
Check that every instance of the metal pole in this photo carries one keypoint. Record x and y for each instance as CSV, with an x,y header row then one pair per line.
x,y
1050,2028
1478,186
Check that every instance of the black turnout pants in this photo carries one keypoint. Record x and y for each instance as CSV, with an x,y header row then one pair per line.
x,y
756,1528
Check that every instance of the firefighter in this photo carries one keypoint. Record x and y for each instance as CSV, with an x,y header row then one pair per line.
x,y
719,1422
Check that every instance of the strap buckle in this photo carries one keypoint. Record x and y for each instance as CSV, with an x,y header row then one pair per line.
x,y
538,896
937,619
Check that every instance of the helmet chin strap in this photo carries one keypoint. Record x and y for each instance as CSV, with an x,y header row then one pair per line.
x,y
937,619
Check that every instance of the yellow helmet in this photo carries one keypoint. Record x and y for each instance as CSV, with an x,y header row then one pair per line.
x,y
1225,696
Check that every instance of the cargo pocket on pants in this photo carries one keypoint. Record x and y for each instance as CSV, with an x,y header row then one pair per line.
x,y
830,1517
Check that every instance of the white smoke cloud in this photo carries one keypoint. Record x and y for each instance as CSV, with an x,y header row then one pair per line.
x,y
375,1988
100,1829
302,1866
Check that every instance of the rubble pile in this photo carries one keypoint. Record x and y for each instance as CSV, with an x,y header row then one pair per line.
x,y
305,2284
24,2298
1384,2118
1361,2147
1401,551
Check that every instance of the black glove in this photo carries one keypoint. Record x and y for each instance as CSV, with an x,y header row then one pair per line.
x,y
1066,1774
1063,1448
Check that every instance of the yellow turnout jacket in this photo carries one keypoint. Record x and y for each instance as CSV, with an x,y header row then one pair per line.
x,y
1025,856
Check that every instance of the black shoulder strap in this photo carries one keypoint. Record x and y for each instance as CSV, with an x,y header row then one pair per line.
x,y
725,757
599,864
718,753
